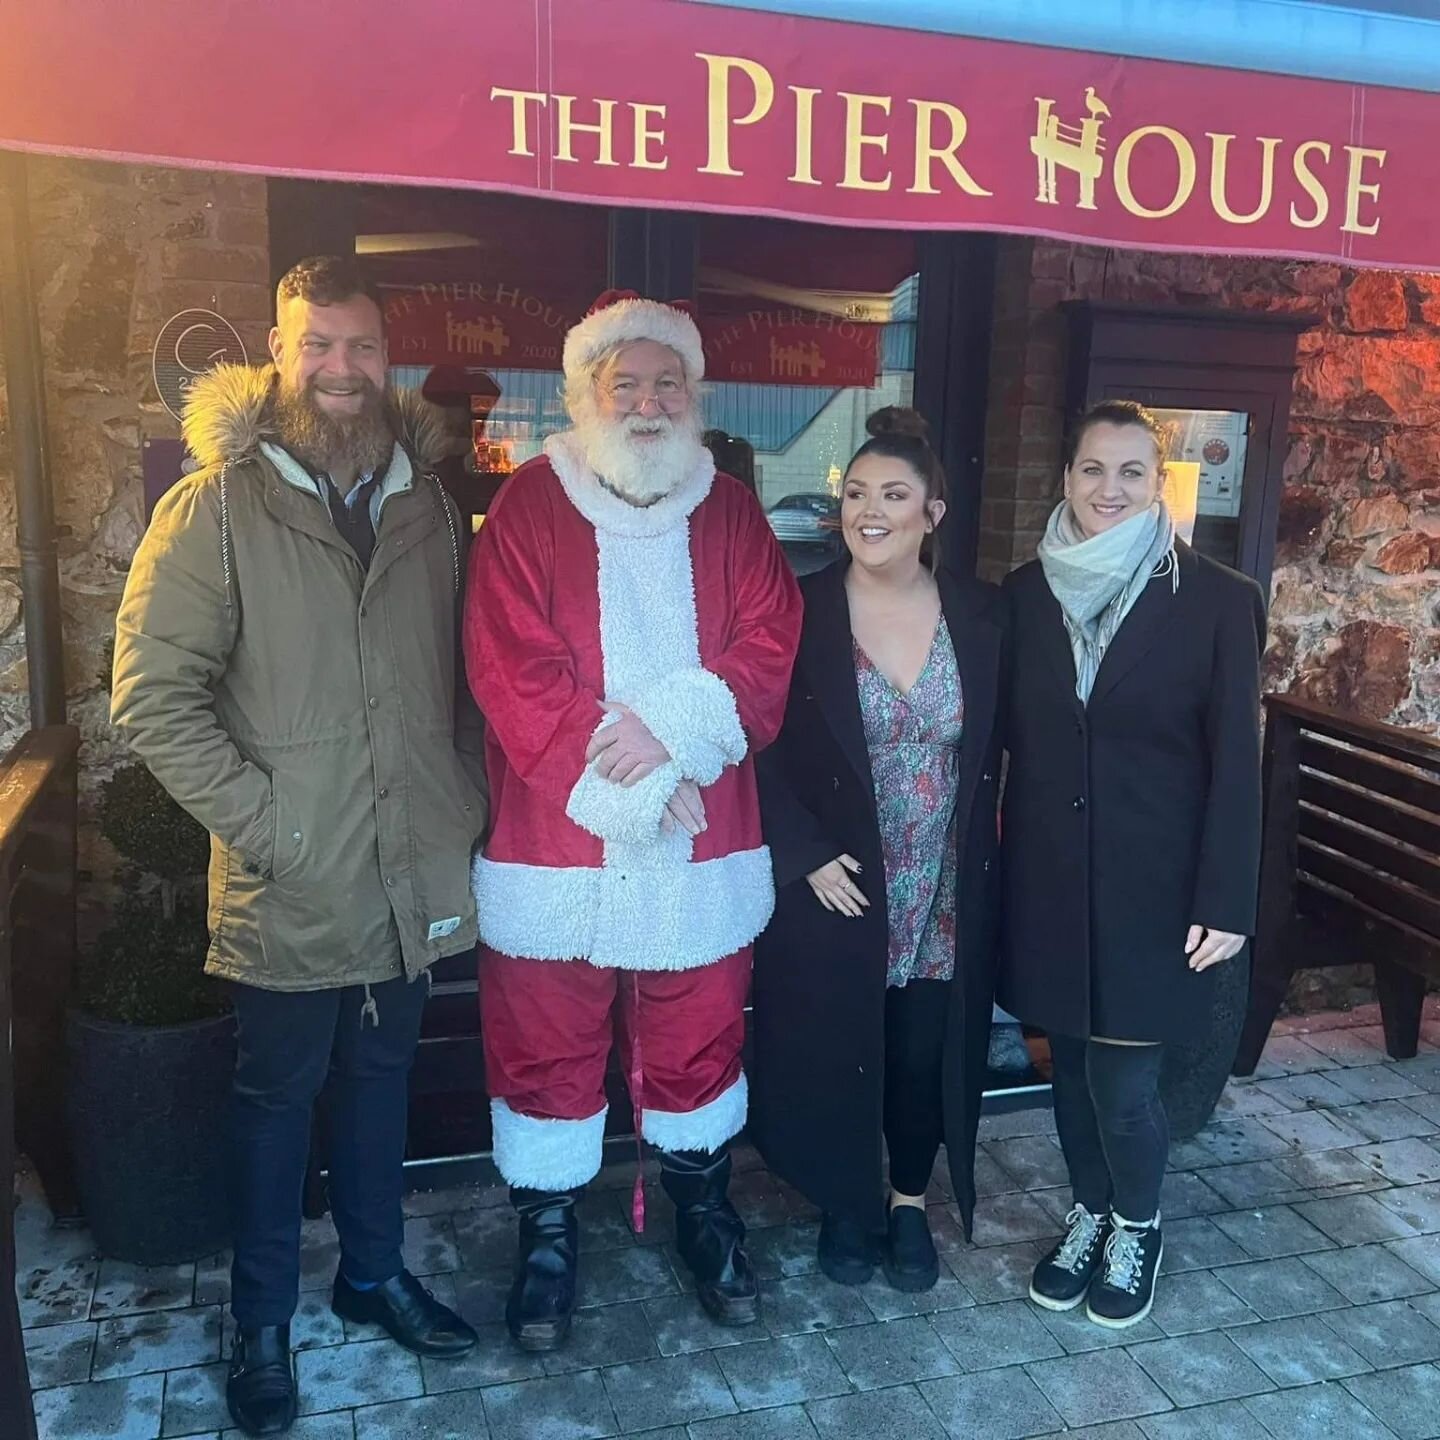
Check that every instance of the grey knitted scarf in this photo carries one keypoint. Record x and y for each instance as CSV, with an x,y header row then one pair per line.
x,y
1096,580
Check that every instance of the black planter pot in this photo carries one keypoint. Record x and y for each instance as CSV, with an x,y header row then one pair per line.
x,y
1195,1070
147,1108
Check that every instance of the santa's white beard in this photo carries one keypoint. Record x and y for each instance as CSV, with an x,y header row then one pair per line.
x,y
641,471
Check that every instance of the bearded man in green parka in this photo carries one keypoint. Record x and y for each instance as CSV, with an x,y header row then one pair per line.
x,y
285,664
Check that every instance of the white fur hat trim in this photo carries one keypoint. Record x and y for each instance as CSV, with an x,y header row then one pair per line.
x,y
631,318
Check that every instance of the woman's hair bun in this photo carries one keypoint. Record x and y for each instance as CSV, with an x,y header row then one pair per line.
x,y
897,421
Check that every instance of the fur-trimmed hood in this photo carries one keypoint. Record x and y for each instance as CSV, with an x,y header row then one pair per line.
x,y
228,413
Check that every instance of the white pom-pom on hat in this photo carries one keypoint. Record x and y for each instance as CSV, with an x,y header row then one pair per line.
x,y
620,317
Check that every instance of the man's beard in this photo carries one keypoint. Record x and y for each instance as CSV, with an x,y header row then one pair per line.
x,y
363,441
641,471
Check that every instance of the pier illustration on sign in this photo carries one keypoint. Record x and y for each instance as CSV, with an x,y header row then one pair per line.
x,y
475,337
790,362
1058,146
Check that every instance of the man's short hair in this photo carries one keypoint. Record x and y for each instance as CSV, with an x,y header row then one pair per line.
x,y
326,280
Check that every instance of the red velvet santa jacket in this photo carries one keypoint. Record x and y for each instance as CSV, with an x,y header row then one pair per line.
x,y
686,611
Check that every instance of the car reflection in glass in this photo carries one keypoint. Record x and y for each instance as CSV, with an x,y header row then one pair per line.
x,y
810,521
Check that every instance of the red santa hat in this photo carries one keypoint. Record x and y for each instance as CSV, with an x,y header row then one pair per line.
x,y
620,317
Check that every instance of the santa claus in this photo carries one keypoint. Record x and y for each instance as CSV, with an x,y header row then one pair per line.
x,y
630,627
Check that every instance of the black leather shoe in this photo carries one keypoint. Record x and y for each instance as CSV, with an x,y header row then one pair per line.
x,y
543,1295
408,1313
710,1235
846,1251
261,1388
911,1263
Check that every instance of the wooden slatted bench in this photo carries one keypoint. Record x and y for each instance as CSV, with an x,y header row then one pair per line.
x,y
1350,864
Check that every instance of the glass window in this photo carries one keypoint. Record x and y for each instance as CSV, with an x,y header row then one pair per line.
x,y
1206,478
808,330
479,291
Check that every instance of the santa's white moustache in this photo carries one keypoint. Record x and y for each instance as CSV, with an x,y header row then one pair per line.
x,y
642,470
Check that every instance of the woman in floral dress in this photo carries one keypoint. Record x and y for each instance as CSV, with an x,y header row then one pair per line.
x,y
874,982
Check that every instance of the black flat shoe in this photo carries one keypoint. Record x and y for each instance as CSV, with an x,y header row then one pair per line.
x,y
911,1263
846,1252
408,1313
260,1390
542,1297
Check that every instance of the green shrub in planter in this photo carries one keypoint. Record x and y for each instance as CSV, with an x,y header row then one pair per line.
x,y
151,1043
148,966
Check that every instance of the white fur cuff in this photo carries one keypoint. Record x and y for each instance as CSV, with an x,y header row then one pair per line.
x,y
538,1154
693,715
617,812
707,1128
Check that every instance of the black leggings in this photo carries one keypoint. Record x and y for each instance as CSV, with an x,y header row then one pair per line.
x,y
915,1018
1111,1123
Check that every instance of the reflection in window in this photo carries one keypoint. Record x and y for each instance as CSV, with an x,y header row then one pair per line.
x,y
807,332
479,291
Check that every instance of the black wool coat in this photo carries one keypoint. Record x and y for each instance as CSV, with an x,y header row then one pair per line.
x,y
1129,819
816,1076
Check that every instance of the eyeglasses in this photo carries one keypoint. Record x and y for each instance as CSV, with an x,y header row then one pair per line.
x,y
668,395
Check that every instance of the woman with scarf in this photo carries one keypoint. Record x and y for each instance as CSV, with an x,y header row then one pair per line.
x,y
1131,832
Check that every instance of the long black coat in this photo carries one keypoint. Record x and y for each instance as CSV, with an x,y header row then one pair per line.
x,y
1131,818
819,990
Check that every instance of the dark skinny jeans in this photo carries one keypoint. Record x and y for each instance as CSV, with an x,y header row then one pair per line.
x,y
1111,1123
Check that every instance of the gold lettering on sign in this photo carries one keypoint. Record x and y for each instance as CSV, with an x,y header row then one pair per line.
x,y
567,127
1356,186
1219,156
857,141
1184,180
804,173
645,137
927,151
718,112
1311,183
519,117
1068,147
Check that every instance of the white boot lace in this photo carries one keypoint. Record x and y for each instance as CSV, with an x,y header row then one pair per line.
x,y
1124,1260
1082,1229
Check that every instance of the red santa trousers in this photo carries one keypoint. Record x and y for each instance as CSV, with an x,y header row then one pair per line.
x,y
548,1027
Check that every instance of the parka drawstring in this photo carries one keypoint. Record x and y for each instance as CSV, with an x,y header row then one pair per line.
x,y
371,1011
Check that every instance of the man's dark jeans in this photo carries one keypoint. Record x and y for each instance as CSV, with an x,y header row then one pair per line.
x,y
289,1043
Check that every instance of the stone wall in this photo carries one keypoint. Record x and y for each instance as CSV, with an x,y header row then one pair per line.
x,y
115,251
1355,610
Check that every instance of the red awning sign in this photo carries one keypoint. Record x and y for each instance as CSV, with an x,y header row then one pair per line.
x,y
700,107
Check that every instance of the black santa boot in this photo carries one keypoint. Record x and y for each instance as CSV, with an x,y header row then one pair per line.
x,y
710,1235
543,1295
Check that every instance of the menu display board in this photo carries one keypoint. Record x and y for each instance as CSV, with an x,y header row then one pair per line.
x,y
1215,441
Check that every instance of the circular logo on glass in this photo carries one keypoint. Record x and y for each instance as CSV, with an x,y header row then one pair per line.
x,y
1216,452
188,345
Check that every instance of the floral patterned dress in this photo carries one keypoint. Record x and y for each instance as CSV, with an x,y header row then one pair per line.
x,y
914,745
